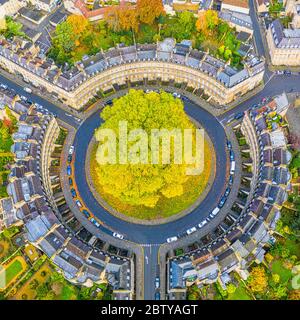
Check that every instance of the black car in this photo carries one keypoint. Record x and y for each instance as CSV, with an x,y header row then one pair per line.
x,y
184,98
231,155
229,145
73,193
70,181
109,102
69,158
231,179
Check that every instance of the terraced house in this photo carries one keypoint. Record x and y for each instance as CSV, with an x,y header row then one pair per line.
x,y
245,235
164,61
32,204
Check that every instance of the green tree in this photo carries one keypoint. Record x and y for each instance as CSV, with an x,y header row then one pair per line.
x,y
231,288
12,28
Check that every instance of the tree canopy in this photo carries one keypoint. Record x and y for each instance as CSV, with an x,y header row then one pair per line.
x,y
10,28
144,22
258,280
149,10
144,184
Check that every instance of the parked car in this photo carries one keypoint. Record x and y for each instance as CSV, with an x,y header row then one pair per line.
x,y
73,193
86,213
24,98
69,158
191,230
4,86
157,296
172,239
71,150
117,235
238,115
94,221
184,98
70,181
78,203
229,145
231,154
230,179
202,223
157,282
232,167
227,191
69,170
28,90
215,211
109,102
222,202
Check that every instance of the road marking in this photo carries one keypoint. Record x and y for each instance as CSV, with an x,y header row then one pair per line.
x,y
147,260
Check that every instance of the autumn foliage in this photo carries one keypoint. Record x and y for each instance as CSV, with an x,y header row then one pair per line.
x,y
258,280
128,17
144,184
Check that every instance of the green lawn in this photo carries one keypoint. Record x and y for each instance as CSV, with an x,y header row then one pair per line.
x,y
239,294
13,270
67,293
285,274
293,247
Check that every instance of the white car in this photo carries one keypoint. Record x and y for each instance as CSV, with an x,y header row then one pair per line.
x,y
28,90
78,203
202,223
71,150
117,235
4,86
191,230
172,239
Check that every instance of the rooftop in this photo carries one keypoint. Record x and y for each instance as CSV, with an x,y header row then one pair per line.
x,y
237,3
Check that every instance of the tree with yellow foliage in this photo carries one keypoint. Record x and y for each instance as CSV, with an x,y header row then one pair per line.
x,y
143,183
294,295
258,280
78,23
207,21
122,18
149,10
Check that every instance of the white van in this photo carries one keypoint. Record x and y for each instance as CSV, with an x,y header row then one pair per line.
x,y
232,167
215,211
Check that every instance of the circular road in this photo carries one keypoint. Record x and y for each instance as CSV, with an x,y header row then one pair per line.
x,y
156,234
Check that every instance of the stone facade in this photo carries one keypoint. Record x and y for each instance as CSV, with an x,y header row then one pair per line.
x,y
165,61
284,45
